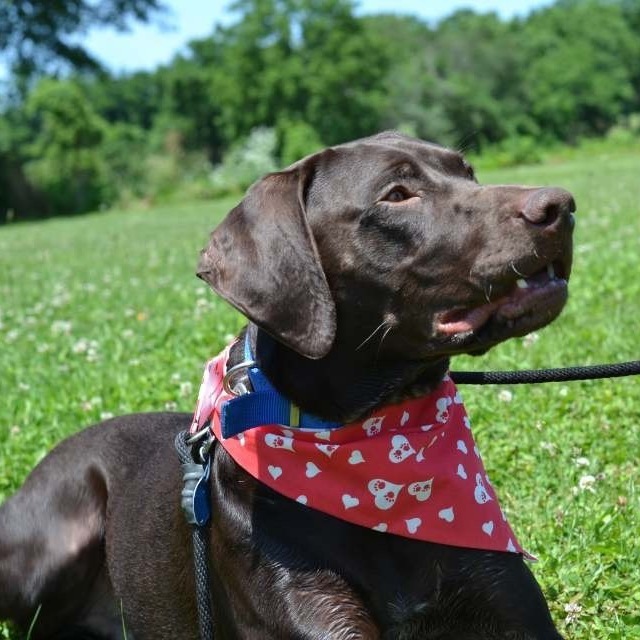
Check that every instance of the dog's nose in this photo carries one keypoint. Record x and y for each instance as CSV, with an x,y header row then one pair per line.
x,y
544,206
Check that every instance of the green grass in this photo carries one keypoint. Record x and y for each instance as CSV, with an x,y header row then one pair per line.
x,y
102,315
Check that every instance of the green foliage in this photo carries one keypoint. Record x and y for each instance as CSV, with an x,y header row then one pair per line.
x,y
102,315
297,140
66,164
36,32
579,77
317,73
246,162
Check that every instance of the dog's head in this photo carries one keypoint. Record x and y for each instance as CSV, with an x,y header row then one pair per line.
x,y
389,243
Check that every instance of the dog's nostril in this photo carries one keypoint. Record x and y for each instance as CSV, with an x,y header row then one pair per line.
x,y
545,206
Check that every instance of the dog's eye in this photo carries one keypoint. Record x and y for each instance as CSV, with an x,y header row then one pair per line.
x,y
397,194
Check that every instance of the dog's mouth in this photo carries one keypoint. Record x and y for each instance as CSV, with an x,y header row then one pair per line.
x,y
531,303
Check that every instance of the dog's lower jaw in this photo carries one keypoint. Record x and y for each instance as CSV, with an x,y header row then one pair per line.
x,y
352,387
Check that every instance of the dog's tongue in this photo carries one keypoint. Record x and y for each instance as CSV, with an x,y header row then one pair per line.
x,y
466,321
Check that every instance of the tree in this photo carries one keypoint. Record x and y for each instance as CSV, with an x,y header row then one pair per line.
x,y
579,77
66,157
35,34
302,61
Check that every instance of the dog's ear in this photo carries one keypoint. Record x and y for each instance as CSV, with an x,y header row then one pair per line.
x,y
263,259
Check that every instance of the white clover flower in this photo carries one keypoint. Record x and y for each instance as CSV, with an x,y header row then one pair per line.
x,y
586,483
549,447
61,326
530,339
572,610
186,389
170,406
106,415
12,335
582,462
80,346
505,395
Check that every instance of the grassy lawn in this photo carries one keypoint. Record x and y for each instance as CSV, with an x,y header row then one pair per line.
x,y
102,315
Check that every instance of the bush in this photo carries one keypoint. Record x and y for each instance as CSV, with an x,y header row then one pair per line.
x,y
246,162
297,140
66,161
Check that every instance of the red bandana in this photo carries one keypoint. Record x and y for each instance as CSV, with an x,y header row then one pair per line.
x,y
411,469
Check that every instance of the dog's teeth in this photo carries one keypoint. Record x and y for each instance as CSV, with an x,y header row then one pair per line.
x,y
550,271
522,283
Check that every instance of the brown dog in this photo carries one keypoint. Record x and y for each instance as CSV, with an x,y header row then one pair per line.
x,y
362,269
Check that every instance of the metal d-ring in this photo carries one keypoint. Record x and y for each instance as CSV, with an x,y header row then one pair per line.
x,y
227,381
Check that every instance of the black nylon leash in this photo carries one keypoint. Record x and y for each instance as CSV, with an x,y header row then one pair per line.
x,y
535,376
195,503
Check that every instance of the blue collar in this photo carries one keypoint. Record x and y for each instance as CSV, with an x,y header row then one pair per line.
x,y
264,405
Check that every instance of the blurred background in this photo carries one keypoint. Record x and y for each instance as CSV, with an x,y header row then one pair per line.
x,y
125,103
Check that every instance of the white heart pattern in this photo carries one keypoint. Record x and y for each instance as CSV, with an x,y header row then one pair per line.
x,y
356,457
462,447
312,470
401,449
302,499
275,472
373,426
278,442
385,493
327,449
442,406
480,493
487,527
382,527
323,435
413,524
349,501
462,472
421,490
447,514
404,419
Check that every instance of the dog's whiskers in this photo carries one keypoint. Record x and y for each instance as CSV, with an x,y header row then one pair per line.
x,y
384,335
513,266
373,333
487,291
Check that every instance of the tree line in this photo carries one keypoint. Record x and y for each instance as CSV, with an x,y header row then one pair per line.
x,y
289,76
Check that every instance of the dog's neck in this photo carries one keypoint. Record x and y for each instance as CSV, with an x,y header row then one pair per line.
x,y
338,388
